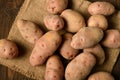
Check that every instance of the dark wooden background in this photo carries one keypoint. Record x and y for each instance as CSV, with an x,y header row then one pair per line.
x,y
8,12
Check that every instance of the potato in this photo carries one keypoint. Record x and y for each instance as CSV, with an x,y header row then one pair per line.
x,y
98,52
101,76
54,68
8,49
111,39
104,8
54,22
56,6
80,67
66,50
29,30
86,37
115,20
45,47
81,6
98,21
74,20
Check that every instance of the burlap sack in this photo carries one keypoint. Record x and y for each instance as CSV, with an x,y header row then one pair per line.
x,y
35,11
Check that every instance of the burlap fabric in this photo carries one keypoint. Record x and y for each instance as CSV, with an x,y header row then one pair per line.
x,y
35,11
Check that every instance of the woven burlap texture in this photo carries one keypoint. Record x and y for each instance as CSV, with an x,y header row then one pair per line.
x,y
34,10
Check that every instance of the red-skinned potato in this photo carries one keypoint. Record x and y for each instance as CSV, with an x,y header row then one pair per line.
x,y
29,30
54,22
80,67
45,47
54,68
74,20
98,21
98,52
87,37
8,49
56,6
111,39
101,76
66,50
104,8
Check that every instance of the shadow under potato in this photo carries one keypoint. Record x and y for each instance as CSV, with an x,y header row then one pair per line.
x,y
21,48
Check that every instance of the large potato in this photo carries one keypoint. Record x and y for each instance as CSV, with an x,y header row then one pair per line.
x,y
54,22
66,50
54,68
104,8
98,21
111,39
56,6
101,76
45,47
74,20
87,37
29,30
80,67
8,49
98,52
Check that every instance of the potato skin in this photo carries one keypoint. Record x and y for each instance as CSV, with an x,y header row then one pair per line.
x,y
98,21
115,21
87,37
54,22
104,8
45,47
80,67
54,68
56,6
98,52
111,39
29,30
66,50
8,49
74,20
101,76
81,6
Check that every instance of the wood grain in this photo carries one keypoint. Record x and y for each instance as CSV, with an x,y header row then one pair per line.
x,y
8,12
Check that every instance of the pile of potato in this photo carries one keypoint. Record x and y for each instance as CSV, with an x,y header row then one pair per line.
x,y
81,43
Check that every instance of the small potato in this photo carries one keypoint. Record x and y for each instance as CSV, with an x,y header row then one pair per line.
x,y
56,6
66,50
80,67
101,76
54,68
54,22
98,21
111,39
74,20
104,8
87,37
29,30
8,49
45,47
98,52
